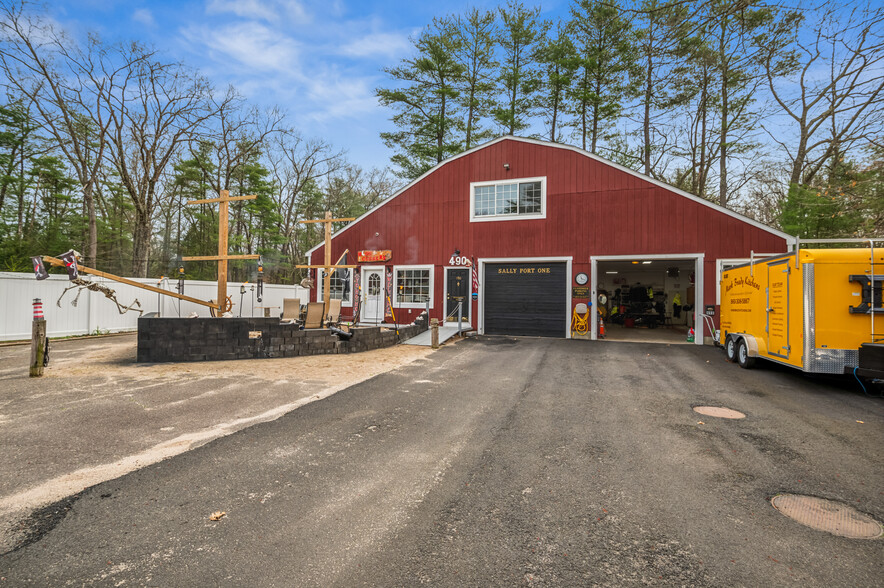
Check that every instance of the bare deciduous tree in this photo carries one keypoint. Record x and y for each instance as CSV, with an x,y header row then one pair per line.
x,y
834,92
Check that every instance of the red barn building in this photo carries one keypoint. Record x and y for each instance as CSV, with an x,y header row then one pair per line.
x,y
545,226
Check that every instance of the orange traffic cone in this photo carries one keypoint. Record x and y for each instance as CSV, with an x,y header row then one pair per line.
x,y
601,327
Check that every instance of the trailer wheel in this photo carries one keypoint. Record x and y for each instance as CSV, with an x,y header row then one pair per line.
x,y
743,358
730,349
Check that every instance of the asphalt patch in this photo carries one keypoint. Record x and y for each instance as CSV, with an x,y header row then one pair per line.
x,y
43,520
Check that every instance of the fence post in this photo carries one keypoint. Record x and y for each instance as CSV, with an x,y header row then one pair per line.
x,y
434,333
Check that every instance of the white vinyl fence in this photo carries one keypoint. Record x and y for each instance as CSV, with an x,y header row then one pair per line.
x,y
95,313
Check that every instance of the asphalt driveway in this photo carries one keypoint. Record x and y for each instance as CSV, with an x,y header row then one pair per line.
x,y
497,462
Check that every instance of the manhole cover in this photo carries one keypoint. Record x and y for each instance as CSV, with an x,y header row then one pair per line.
x,y
827,515
720,412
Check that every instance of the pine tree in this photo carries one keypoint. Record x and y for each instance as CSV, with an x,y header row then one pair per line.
x,y
519,38
606,52
476,34
559,61
427,106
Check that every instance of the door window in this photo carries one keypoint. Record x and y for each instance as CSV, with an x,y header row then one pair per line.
x,y
374,285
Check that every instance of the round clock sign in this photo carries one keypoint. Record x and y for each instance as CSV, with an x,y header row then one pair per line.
x,y
581,278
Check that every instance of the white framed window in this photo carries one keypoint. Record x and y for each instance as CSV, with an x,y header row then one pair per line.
x,y
508,200
341,286
412,286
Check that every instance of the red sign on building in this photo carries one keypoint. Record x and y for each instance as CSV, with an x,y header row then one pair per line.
x,y
372,256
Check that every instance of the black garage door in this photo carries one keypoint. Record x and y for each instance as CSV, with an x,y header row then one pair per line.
x,y
525,299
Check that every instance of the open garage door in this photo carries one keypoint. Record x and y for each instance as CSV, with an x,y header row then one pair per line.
x,y
648,299
526,299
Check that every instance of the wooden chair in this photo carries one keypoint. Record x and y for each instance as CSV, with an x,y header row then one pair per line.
x,y
291,309
334,312
315,312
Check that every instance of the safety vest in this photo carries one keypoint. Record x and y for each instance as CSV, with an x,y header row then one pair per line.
x,y
676,299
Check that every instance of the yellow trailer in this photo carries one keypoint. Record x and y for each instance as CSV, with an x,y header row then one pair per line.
x,y
818,310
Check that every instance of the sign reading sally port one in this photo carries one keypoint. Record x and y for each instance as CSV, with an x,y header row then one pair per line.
x,y
373,256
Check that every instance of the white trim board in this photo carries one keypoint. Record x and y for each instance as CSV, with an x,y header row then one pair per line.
x,y
698,259
592,156
568,270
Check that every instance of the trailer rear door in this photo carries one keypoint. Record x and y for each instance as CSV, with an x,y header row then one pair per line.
x,y
778,274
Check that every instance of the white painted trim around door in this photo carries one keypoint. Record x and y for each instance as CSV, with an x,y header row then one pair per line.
x,y
698,258
363,284
469,301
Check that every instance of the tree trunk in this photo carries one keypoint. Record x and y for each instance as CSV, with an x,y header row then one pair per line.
x,y
800,154
470,116
92,236
140,244
722,161
647,119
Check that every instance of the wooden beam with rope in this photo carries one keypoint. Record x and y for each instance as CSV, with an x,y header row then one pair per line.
x,y
328,266
224,304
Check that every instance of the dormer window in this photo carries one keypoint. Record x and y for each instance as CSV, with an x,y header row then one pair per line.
x,y
508,200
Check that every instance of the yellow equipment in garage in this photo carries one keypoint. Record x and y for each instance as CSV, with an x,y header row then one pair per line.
x,y
819,310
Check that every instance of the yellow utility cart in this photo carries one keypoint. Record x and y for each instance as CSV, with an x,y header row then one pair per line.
x,y
818,310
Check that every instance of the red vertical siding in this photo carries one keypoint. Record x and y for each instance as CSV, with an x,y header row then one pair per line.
x,y
592,209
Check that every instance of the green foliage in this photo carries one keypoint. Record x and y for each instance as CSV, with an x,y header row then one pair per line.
x,y
606,50
519,37
558,58
427,109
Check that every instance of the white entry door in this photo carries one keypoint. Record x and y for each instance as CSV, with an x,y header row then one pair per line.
x,y
373,292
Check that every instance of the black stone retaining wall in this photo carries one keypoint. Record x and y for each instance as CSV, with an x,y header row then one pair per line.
x,y
210,339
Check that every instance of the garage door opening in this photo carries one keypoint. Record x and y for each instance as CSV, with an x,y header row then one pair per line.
x,y
646,299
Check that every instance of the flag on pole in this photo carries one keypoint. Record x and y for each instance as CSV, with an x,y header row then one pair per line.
x,y
39,268
70,262
475,277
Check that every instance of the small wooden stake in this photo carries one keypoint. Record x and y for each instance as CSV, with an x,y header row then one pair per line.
x,y
434,333
38,347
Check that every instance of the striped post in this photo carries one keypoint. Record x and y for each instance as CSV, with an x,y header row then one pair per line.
x,y
38,340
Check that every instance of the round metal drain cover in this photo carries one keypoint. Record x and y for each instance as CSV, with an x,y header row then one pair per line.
x,y
827,515
720,412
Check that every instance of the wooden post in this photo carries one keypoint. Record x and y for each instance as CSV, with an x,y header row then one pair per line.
x,y
326,283
434,333
38,347
223,215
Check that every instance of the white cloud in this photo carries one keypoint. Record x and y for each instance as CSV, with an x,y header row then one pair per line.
x,y
144,16
377,44
340,96
250,46
270,11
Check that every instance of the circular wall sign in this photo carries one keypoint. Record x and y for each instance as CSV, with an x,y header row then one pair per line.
x,y
581,278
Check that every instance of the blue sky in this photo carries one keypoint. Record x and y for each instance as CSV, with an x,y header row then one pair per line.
x,y
319,60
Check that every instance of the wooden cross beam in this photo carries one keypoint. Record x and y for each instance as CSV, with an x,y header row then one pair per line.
x,y
328,265
223,224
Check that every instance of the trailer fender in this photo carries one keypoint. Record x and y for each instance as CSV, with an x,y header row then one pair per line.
x,y
751,343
